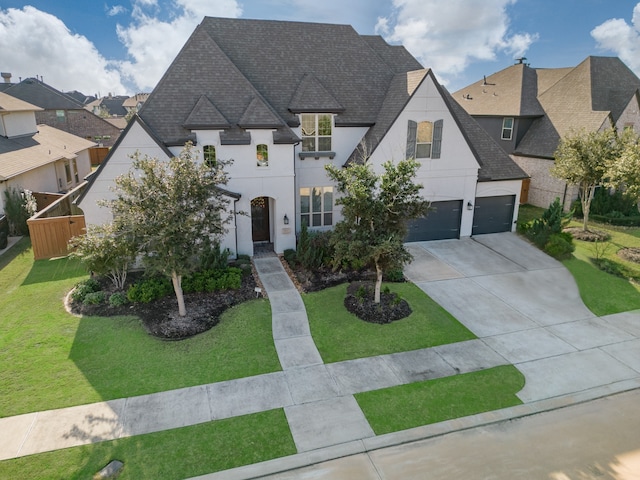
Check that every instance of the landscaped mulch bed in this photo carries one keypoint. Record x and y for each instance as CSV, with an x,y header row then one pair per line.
x,y
630,254
588,235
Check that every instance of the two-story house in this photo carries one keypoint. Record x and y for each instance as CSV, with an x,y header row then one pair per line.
x,y
36,157
63,112
283,99
528,110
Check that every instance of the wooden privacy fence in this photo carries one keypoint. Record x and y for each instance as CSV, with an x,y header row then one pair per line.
x,y
52,228
98,154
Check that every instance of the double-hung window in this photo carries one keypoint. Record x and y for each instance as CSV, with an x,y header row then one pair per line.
x,y
507,128
316,132
424,139
316,206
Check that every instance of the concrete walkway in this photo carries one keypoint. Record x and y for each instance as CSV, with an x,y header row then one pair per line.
x,y
523,306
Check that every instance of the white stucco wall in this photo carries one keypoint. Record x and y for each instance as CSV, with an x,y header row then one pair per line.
x,y
136,140
453,176
497,189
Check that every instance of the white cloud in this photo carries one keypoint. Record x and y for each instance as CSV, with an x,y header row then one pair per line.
x,y
463,31
617,36
152,43
115,10
37,43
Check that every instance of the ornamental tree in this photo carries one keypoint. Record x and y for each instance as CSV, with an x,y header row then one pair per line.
x,y
624,172
172,210
375,210
582,159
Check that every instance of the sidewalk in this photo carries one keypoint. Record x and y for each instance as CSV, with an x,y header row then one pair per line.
x,y
522,305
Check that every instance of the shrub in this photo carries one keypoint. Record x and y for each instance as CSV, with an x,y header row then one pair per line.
x,y
118,299
560,245
4,240
552,221
229,278
149,289
83,288
214,257
290,256
19,205
314,250
394,275
95,298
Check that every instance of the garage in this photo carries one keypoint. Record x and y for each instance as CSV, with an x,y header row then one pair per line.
x,y
493,214
442,222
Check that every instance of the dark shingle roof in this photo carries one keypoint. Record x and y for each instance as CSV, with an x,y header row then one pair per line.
x,y
234,61
42,95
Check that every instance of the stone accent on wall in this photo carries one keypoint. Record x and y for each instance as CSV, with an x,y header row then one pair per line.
x,y
545,188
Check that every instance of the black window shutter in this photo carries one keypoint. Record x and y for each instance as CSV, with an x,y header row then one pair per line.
x,y
411,139
437,139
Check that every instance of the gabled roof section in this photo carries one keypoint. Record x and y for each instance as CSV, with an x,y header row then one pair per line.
x,y
42,95
234,61
511,92
259,115
22,154
13,104
205,116
312,97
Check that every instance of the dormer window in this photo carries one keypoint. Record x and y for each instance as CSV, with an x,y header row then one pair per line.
x,y
507,128
316,132
262,155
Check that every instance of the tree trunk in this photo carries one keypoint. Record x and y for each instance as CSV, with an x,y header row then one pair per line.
x,y
588,192
177,287
376,297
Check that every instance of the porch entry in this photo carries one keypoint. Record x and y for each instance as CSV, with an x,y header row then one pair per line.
x,y
260,231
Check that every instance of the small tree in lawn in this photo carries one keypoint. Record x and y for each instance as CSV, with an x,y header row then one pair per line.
x,y
582,159
624,172
171,209
375,212
105,250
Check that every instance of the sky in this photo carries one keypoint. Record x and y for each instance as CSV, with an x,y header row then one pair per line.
x,y
124,46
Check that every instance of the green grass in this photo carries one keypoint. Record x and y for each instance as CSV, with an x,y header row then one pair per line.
x,y
340,335
171,454
422,403
51,359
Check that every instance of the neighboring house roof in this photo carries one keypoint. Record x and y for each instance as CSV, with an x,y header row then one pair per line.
x,y
118,122
39,93
242,64
512,92
138,98
81,97
22,154
113,104
583,97
9,103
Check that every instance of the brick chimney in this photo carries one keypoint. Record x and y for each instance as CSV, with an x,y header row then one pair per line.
x,y
6,76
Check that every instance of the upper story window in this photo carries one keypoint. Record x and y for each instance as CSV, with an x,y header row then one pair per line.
x,y
262,155
209,152
507,128
316,132
424,139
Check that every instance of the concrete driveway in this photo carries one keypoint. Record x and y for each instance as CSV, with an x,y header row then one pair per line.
x,y
526,306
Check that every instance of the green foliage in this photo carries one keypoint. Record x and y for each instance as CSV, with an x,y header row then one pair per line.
x,y
560,245
624,172
314,249
290,257
375,211
229,278
169,207
394,275
118,299
19,206
106,250
149,289
553,219
583,159
213,257
83,288
95,298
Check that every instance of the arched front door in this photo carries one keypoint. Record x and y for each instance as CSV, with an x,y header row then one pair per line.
x,y
260,219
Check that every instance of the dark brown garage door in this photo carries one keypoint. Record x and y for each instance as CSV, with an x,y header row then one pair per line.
x,y
442,222
493,214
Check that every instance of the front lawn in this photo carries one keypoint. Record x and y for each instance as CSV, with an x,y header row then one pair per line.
x,y
171,454
51,359
340,335
422,403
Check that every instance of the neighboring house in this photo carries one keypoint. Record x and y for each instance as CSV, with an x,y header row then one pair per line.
x,y
39,158
283,99
63,112
81,97
528,110
134,103
109,106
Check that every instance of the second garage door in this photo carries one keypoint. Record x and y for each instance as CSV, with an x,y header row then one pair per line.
x,y
442,222
493,214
